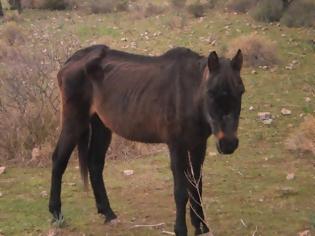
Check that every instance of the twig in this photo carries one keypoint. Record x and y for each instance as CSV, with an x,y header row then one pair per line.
x,y
167,232
255,231
243,223
150,226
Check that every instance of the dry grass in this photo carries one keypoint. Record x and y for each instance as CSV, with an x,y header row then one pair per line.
x,y
300,14
241,6
303,138
257,50
12,34
268,10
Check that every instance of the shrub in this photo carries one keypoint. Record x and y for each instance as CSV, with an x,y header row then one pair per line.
x,y
12,34
241,6
268,10
178,3
108,6
29,101
257,50
55,4
122,5
303,138
300,13
196,9
153,10
213,3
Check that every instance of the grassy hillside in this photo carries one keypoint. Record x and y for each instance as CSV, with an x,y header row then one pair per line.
x,y
244,193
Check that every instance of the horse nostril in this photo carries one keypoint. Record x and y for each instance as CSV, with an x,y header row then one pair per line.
x,y
227,146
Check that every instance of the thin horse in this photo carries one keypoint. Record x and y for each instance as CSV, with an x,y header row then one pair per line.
x,y
179,98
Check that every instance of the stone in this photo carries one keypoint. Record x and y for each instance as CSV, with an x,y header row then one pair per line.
x,y
128,172
290,176
307,99
285,111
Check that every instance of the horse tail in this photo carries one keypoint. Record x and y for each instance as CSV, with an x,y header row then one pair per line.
x,y
83,153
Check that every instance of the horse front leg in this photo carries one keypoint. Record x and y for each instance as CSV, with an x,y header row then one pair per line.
x,y
179,159
194,176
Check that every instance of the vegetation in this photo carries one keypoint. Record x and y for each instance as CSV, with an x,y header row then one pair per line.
x,y
257,50
271,176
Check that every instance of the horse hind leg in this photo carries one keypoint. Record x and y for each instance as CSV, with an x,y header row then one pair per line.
x,y
100,140
70,133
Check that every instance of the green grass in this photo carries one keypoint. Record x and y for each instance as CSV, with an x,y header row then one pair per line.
x,y
247,186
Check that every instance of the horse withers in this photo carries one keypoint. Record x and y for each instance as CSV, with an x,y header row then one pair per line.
x,y
179,98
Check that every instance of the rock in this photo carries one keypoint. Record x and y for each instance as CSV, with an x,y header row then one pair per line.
x,y
254,72
305,233
124,39
1,194
307,99
265,117
44,194
290,176
287,191
212,154
128,172
2,169
265,67
267,122
72,184
285,112
251,108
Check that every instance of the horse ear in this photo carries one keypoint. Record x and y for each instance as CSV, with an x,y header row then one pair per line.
x,y
237,61
213,62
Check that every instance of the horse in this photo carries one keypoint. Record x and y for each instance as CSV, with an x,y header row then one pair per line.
x,y
178,98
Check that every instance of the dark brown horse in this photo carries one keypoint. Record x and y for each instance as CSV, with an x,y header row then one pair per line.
x,y
179,98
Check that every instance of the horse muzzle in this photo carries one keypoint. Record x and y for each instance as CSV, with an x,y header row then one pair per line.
x,y
227,145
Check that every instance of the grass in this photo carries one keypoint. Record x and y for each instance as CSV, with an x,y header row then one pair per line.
x,y
248,186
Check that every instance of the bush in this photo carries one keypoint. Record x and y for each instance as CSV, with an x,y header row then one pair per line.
x,y
153,10
108,6
303,138
268,10
55,4
29,101
196,9
241,6
12,34
299,14
257,50
213,3
178,3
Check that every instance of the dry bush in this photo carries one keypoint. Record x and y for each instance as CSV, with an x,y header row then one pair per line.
x,y
299,14
197,9
153,10
121,148
213,3
303,138
241,6
12,34
268,10
29,96
108,6
178,3
257,50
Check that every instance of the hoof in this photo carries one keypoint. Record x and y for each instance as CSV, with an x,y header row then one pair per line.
x,y
58,220
115,221
110,217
